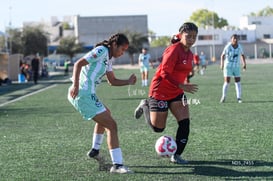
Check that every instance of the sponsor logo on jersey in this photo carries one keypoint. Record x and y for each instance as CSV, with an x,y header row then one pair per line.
x,y
94,55
97,53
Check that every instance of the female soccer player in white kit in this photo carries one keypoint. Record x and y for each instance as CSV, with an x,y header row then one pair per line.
x,y
231,65
87,74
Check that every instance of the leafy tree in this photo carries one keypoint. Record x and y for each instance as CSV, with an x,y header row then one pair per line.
x,y
137,42
66,26
69,47
34,40
12,42
15,41
204,17
161,41
2,43
267,11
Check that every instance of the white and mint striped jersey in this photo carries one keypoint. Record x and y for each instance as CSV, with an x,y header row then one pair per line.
x,y
91,74
232,55
145,59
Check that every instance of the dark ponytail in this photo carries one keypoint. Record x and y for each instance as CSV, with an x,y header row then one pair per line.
x,y
176,38
119,38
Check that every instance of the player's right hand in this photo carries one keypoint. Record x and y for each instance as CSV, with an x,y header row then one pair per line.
x,y
191,88
74,90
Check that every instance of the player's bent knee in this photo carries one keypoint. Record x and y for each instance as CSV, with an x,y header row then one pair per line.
x,y
158,130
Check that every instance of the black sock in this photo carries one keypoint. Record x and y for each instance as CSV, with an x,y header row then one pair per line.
x,y
182,135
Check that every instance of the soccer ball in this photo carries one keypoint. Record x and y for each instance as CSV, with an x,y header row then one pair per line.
x,y
165,146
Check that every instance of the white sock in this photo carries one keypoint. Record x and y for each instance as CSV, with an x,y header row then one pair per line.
x,y
97,141
145,82
116,156
238,89
225,88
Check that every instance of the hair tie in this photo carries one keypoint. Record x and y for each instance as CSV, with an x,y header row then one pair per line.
x,y
178,36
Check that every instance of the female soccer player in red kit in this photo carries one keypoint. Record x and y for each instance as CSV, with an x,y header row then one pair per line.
x,y
168,86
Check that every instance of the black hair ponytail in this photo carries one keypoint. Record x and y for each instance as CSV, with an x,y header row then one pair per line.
x,y
119,38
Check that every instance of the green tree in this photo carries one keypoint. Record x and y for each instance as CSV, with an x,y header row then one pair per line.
x,y
161,41
267,11
204,17
66,26
34,40
12,41
2,43
69,46
15,41
137,42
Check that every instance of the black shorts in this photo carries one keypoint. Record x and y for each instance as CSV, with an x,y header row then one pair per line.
x,y
163,105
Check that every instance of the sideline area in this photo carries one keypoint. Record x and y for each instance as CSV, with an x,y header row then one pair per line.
x,y
16,91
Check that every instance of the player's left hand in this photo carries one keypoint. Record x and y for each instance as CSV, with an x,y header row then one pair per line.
x,y
132,79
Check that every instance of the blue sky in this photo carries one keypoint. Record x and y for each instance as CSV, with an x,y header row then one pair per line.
x,y
164,16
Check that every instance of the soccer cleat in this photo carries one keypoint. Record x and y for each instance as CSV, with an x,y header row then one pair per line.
x,y
93,153
120,169
222,100
239,100
146,112
178,159
139,109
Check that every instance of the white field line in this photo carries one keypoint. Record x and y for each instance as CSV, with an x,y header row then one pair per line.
x,y
30,94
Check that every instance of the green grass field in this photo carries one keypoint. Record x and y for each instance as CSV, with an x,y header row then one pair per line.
x,y
42,137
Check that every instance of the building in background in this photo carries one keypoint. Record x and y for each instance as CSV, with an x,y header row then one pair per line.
x,y
256,33
90,30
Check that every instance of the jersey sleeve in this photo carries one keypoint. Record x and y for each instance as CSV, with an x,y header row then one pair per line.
x,y
140,57
225,49
96,54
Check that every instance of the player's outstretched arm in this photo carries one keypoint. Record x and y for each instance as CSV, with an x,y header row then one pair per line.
x,y
112,80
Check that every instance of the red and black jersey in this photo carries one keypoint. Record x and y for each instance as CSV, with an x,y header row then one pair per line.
x,y
175,67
